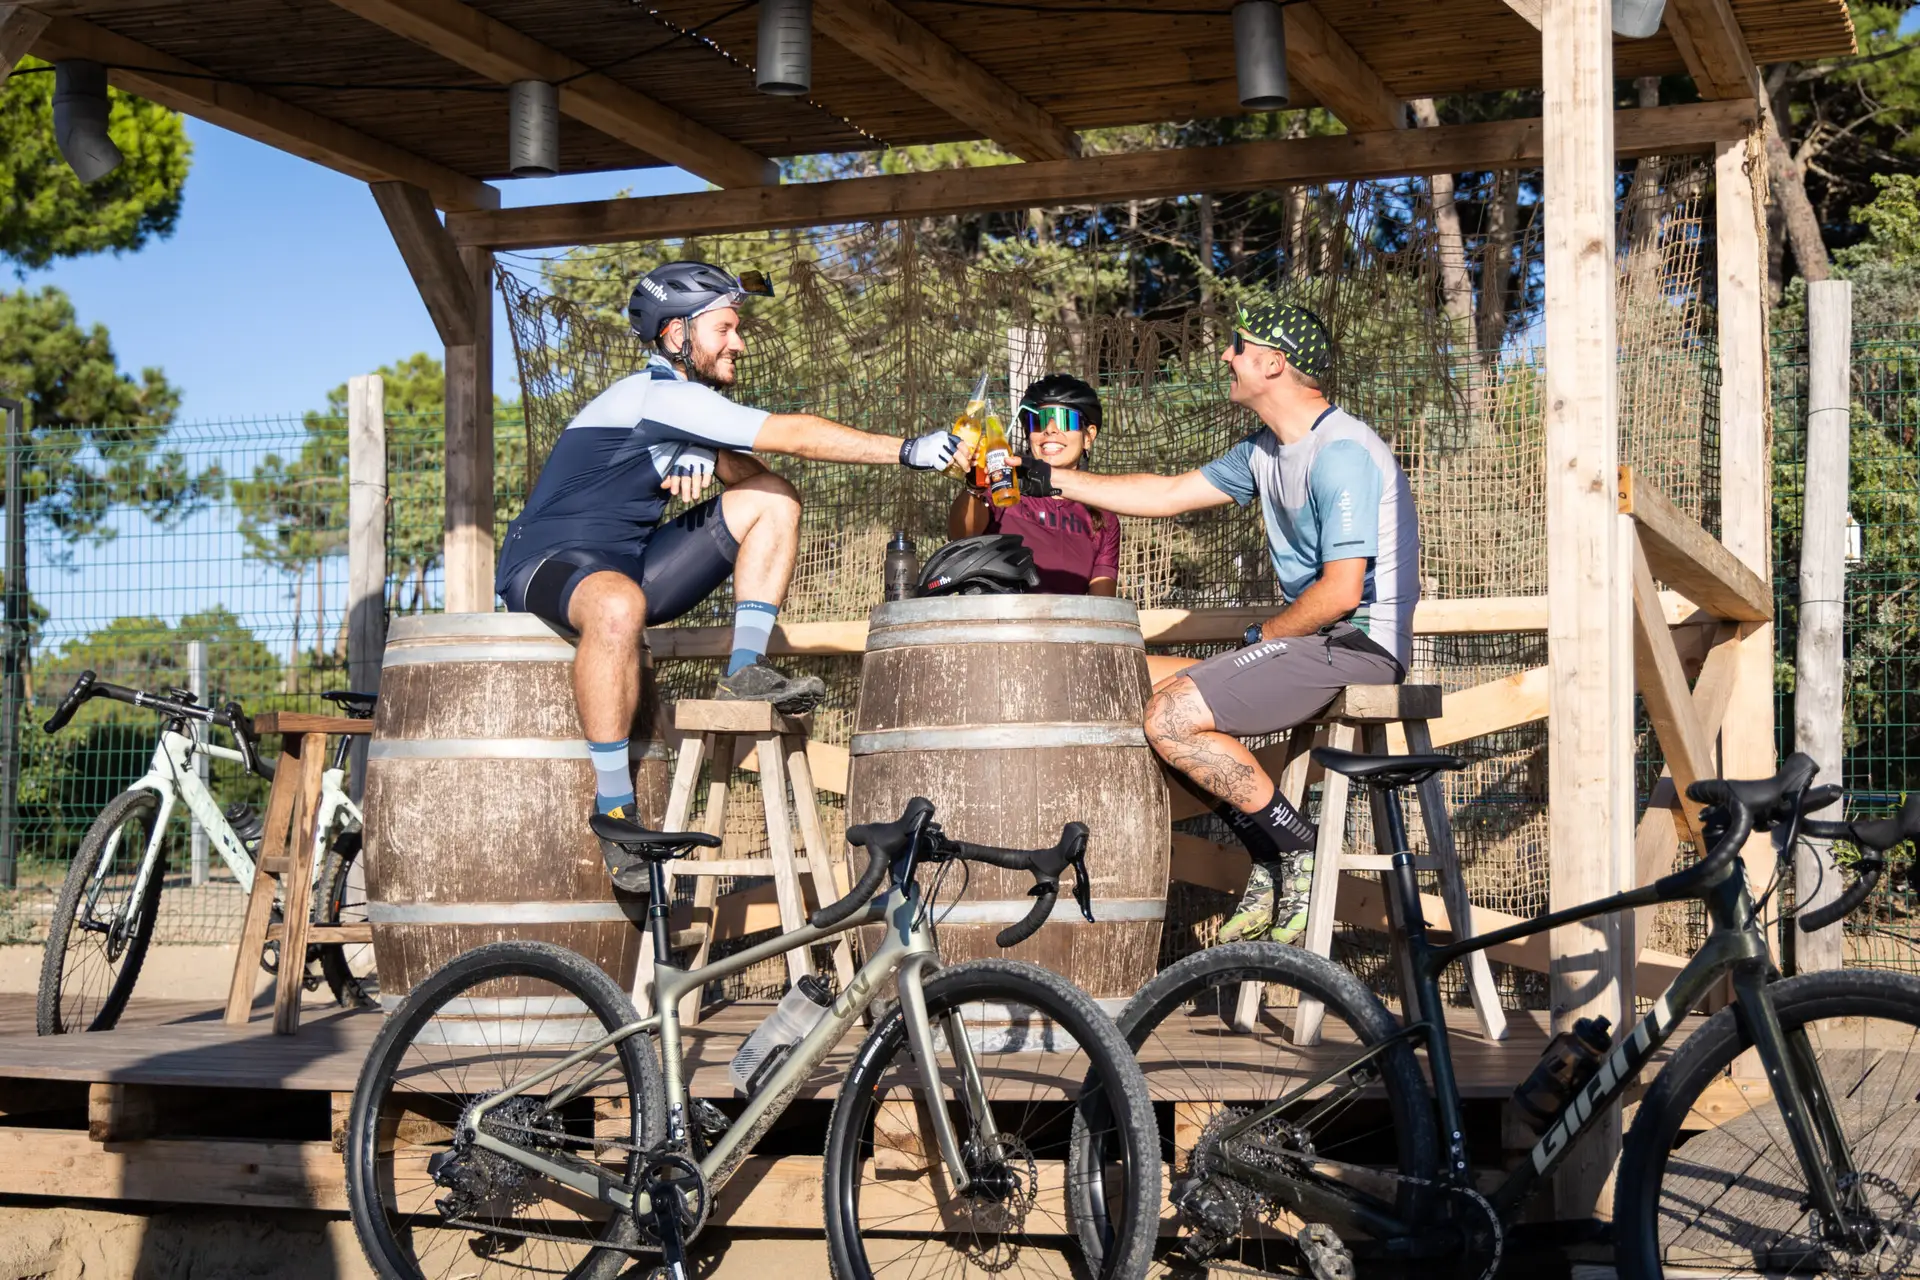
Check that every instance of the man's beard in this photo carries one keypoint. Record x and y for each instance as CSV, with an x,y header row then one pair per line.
x,y
705,369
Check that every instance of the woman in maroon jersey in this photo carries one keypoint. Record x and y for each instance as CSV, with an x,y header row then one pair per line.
x,y
1075,547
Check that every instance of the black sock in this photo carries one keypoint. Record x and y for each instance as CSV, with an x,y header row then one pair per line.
x,y
1284,825
1254,834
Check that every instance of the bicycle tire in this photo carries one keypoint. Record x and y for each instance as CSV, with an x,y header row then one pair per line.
x,y
1213,977
331,905
372,1113
1112,1241
58,1011
1658,1221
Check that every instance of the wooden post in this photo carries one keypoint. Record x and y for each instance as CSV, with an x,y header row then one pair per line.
x,y
366,545
1745,454
1591,681
1820,667
469,508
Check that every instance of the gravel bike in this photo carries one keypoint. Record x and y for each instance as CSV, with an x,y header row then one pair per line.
x,y
1338,1156
513,1117
104,918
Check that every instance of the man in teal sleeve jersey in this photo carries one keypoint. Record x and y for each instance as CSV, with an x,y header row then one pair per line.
x,y
1345,544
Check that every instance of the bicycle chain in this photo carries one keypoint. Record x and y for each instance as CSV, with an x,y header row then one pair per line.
x,y
1308,1156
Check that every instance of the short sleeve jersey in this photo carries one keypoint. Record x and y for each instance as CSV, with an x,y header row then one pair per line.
x,y
1338,494
1069,552
600,486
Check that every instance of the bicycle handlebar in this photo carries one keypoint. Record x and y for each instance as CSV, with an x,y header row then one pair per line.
x,y
1876,836
232,717
1045,866
887,842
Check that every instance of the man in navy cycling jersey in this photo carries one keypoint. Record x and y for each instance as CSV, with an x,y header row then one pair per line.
x,y
589,552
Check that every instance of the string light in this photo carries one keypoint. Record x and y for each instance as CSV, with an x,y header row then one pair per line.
x,y
533,129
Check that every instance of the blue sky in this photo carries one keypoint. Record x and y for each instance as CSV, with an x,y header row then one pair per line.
x,y
281,281
279,284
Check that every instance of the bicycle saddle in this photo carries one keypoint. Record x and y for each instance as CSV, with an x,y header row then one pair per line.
x,y
650,844
356,704
1387,771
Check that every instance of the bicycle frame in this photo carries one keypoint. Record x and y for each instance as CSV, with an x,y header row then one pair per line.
x,y
170,776
906,955
1735,945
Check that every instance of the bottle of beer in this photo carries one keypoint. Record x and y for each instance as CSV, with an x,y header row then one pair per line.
x,y
996,472
968,426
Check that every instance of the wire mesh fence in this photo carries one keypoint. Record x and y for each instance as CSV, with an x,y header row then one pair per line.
x,y
252,564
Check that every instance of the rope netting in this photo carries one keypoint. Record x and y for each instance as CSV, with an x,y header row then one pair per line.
x,y
1433,292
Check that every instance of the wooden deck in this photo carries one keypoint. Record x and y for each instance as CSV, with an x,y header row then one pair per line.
x,y
176,1106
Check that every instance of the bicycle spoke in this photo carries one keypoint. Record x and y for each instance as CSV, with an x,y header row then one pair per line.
x,y
1734,1198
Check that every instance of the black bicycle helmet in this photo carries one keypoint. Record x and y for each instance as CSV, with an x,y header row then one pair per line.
x,y
682,290
990,564
1064,388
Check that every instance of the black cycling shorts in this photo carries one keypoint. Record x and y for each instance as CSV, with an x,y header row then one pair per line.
x,y
677,564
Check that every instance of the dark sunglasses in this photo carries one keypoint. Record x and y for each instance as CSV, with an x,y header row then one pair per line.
x,y
1241,342
1037,418
758,283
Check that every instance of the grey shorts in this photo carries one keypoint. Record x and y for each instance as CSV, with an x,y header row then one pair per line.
x,y
1278,684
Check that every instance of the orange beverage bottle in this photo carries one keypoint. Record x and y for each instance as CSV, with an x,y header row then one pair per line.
x,y
968,427
996,461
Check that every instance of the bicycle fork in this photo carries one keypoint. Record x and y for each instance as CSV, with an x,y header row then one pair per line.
x,y
1806,1108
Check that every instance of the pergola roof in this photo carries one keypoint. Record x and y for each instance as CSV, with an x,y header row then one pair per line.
x,y
669,98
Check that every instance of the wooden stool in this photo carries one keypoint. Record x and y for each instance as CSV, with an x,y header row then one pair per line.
x,y
780,741
1368,710
286,865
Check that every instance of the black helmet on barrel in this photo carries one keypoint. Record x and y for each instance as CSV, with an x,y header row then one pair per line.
x,y
682,290
987,565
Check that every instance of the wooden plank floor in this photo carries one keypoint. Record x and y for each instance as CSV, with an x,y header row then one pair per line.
x,y
163,1043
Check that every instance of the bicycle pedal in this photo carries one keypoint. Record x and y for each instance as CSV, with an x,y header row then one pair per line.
x,y
1325,1254
709,1119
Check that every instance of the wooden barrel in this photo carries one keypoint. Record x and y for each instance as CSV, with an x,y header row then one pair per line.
x,y
1016,715
478,792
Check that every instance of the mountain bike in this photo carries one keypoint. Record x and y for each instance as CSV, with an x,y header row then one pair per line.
x,y
513,1117
104,918
1338,1156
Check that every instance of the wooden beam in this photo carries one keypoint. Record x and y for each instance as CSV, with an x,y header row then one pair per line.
x,y
1506,144
1819,687
877,31
1719,48
1495,615
259,116
1691,560
1497,705
19,28
1592,689
1746,448
432,258
1684,742
468,512
463,34
1321,59
1529,10
120,1112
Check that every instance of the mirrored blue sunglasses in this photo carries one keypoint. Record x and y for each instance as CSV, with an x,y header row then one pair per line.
x,y
1037,418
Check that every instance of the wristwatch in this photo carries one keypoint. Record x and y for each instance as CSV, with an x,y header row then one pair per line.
x,y
1251,636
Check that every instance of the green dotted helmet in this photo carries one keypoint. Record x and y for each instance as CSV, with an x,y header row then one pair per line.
x,y
1292,329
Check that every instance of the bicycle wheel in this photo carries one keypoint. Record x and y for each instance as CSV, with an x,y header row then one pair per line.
x,y
1732,1196
98,936
425,1201
342,899
1039,1203
1359,1130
